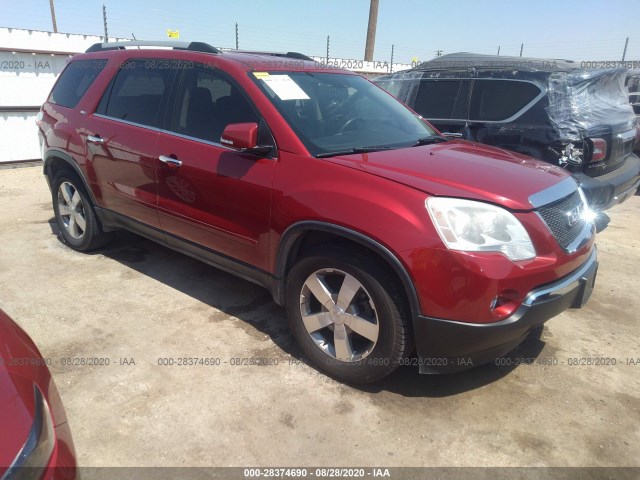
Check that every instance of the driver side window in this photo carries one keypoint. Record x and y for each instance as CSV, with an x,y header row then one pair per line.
x,y
206,103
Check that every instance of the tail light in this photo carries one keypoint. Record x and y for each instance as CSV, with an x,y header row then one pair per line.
x,y
599,149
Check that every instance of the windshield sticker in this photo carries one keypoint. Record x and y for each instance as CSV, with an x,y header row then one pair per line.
x,y
285,88
260,75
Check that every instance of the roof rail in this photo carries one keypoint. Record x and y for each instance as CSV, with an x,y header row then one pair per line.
x,y
193,46
299,56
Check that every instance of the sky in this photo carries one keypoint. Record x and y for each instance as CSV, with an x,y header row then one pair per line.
x,y
580,30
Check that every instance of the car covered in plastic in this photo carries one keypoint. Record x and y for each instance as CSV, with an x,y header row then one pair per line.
x,y
553,110
633,85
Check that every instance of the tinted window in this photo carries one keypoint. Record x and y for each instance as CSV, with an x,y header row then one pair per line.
x,y
74,81
137,92
391,86
500,99
443,99
207,103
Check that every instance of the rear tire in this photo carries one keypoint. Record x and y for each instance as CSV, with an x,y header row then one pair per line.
x,y
349,314
79,226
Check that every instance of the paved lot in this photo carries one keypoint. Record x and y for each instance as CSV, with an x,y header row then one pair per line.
x,y
139,301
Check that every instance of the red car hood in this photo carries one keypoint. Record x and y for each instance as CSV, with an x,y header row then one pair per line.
x,y
458,168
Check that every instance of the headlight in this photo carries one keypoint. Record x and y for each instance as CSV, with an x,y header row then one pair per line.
x,y
472,226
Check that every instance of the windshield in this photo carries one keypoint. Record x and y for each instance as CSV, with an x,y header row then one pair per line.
x,y
331,112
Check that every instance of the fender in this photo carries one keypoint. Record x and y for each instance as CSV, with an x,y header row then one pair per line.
x,y
54,153
288,244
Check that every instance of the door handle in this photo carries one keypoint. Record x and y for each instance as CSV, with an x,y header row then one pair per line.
x,y
95,139
170,161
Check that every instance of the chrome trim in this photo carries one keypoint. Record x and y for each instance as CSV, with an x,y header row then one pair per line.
x,y
195,139
554,193
588,230
628,135
127,122
172,162
95,139
175,134
563,286
40,442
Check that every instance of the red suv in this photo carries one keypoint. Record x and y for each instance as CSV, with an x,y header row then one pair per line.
x,y
379,235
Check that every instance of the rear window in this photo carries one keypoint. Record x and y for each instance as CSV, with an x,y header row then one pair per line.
x,y
443,99
496,100
74,82
391,86
137,92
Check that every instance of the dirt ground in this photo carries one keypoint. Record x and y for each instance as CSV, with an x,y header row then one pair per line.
x,y
137,303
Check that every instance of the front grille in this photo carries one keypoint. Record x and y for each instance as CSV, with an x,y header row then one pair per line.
x,y
564,218
621,149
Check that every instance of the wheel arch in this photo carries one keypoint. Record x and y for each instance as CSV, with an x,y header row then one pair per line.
x,y
293,239
56,159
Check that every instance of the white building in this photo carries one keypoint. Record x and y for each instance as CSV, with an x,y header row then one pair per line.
x,y
30,62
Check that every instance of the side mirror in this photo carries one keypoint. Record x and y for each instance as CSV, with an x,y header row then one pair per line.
x,y
244,137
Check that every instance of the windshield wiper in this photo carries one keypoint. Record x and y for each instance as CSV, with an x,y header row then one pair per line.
x,y
351,151
429,140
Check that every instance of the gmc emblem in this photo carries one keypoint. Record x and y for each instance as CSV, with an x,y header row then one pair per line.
x,y
573,216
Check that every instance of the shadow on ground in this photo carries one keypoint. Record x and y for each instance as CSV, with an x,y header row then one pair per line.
x,y
253,305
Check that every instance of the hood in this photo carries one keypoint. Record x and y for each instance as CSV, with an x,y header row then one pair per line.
x,y
458,168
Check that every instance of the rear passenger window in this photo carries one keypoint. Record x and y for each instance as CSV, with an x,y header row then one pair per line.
x,y
391,86
137,92
500,99
443,99
207,103
74,82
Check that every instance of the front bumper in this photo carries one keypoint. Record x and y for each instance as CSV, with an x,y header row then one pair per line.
x,y
610,189
445,346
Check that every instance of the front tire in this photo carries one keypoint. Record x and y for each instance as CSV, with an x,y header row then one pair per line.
x,y
77,221
349,314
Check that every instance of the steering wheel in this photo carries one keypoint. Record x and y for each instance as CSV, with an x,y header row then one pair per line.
x,y
345,126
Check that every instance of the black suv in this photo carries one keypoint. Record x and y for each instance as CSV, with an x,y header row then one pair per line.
x,y
553,110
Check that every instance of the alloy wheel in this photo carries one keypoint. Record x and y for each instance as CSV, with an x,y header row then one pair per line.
x,y
71,210
339,315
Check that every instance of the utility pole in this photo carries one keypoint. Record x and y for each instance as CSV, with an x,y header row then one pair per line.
x,y
236,36
521,48
104,21
498,49
391,66
438,53
327,50
53,17
624,53
371,31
